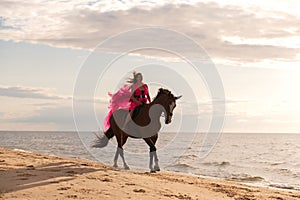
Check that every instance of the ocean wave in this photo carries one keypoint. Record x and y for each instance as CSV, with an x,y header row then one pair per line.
x,y
246,178
278,163
286,172
192,156
297,165
22,150
182,166
221,164
283,186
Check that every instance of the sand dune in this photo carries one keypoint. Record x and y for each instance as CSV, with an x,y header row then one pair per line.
x,y
26,175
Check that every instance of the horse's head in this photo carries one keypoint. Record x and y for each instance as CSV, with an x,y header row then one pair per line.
x,y
168,101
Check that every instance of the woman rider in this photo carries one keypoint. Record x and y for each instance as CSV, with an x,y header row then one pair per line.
x,y
139,95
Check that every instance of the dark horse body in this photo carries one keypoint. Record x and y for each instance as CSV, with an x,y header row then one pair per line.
x,y
145,125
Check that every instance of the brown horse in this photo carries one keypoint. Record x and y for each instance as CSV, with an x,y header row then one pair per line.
x,y
144,124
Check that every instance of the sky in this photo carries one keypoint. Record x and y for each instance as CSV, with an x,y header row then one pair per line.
x,y
46,44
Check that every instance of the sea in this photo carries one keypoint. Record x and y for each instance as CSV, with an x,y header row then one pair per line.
x,y
261,159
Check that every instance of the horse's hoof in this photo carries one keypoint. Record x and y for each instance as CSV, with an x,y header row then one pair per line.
x,y
156,168
152,171
115,166
126,168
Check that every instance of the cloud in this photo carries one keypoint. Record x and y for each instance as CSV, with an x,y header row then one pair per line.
x,y
44,93
60,115
81,25
264,122
27,92
3,24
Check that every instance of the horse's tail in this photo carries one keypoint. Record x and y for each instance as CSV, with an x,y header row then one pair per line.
x,y
102,141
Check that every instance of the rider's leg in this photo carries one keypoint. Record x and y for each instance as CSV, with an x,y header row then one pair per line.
x,y
127,119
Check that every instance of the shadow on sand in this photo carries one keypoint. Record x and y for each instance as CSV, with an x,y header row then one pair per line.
x,y
22,176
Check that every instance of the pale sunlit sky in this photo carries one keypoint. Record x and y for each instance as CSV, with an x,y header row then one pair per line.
x,y
255,46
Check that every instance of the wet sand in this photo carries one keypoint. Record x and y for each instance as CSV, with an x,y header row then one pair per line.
x,y
25,175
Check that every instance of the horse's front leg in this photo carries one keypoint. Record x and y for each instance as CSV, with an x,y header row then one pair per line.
x,y
152,155
156,166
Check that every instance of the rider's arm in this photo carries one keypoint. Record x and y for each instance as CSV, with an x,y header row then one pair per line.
x,y
133,98
148,95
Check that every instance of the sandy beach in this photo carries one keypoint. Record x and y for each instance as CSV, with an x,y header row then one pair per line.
x,y
25,175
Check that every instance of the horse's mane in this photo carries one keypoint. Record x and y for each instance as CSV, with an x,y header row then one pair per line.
x,y
163,91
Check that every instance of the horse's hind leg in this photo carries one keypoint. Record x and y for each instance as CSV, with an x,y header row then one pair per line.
x,y
116,158
121,141
124,162
120,152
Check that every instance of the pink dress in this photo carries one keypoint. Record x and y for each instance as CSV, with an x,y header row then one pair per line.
x,y
122,100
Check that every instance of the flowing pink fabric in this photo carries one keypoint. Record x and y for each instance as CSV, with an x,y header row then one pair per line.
x,y
119,100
